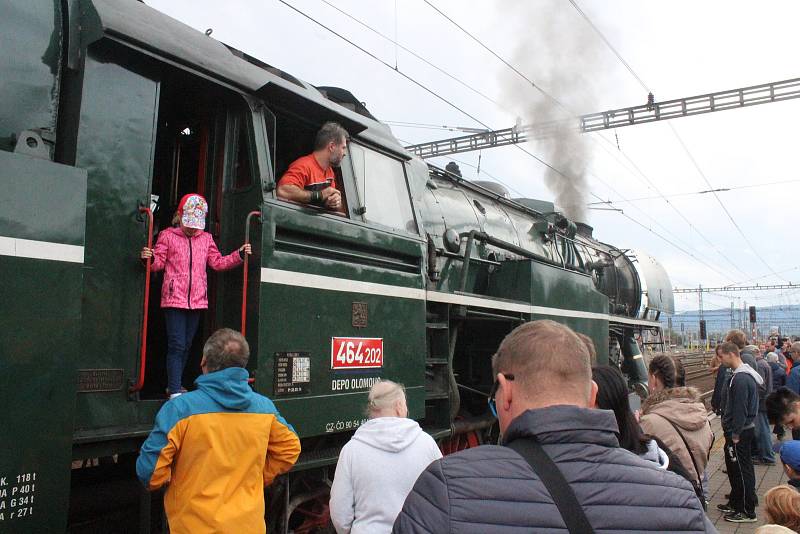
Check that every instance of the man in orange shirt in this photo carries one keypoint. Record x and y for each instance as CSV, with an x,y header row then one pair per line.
x,y
310,179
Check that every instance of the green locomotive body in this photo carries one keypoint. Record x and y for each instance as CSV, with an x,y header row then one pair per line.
x,y
108,108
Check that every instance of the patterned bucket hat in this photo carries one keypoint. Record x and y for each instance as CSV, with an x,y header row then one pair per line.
x,y
193,209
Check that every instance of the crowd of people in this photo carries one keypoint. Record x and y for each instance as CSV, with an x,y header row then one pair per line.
x,y
750,392
572,454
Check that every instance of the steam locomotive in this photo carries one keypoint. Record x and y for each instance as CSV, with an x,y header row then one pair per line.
x,y
109,113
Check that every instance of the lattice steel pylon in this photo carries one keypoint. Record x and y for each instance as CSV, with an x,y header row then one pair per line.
x,y
756,287
617,118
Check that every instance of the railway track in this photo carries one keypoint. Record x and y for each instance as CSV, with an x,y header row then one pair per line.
x,y
698,375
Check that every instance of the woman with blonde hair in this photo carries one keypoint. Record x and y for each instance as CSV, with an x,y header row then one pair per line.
x,y
782,506
379,465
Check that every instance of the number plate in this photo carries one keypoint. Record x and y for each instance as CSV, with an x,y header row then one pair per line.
x,y
356,352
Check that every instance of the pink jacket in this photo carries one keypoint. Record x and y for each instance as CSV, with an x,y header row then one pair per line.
x,y
184,261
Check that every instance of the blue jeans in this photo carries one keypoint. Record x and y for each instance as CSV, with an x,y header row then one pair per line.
x,y
181,328
764,437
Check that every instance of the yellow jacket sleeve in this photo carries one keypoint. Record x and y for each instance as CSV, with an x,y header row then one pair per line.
x,y
282,451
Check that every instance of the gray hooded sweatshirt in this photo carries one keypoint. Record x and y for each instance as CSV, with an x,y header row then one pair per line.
x,y
376,471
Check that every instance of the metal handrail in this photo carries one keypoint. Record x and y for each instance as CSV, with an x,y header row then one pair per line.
x,y
143,350
510,247
246,262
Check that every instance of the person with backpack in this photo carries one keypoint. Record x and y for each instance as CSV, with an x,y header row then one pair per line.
x,y
677,417
559,466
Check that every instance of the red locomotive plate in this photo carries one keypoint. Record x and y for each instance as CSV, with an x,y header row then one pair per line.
x,y
356,352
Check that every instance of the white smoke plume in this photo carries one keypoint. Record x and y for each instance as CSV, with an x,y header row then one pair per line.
x,y
559,52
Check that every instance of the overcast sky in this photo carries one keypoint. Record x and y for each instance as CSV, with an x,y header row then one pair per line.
x,y
678,48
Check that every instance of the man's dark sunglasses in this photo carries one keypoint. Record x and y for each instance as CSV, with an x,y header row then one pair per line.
x,y
493,392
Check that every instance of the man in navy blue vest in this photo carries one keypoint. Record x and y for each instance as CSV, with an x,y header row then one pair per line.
x,y
543,390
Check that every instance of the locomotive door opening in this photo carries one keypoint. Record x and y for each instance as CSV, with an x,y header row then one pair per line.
x,y
204,144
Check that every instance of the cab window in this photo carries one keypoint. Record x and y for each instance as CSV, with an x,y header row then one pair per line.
x,y
381,187
292,138
241,171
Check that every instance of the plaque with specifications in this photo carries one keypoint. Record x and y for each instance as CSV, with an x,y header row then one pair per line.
x,y
292,373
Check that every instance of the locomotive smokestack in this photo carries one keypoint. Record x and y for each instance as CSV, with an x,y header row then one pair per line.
x,y
585,230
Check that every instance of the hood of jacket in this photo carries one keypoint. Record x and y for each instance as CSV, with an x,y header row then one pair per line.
x,y
391,434
228,387
656,455
748,356
745,368
682,406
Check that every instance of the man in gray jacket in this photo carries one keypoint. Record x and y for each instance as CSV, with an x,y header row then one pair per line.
x,y
543,390
766,455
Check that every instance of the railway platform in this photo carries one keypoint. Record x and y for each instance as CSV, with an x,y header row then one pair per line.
x,y
766,477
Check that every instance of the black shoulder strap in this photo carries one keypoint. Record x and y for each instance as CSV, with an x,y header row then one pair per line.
x,y
688,449
558,487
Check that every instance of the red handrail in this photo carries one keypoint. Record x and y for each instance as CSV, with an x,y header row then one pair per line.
x,y
143,351
246,258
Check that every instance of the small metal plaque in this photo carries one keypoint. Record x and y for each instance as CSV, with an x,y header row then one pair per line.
x,y
360,312
96,380
292,373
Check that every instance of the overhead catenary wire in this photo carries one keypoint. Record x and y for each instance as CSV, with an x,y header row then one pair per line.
x,y
415,82
638,223
456,107
423,126
672,206
694,255
561,105
416,55
483,171
766,275
540,89
608,43
722,205
677,136
439,69
641,82
495,54
376,58
674,245
647,228
724,189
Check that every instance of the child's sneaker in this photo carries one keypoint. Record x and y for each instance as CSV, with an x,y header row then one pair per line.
x,y
740,517
177,394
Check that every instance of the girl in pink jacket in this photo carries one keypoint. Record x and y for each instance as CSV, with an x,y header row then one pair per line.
x,y
183,251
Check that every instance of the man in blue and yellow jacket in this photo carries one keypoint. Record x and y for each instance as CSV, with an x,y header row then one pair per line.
x,y
217,447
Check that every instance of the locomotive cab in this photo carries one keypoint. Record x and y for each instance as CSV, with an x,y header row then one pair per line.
x,y
204,144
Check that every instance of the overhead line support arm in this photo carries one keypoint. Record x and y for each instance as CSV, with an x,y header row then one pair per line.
x,y
617,118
